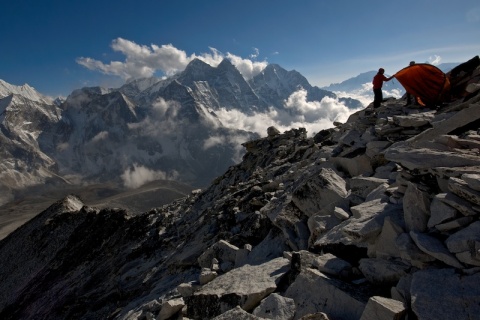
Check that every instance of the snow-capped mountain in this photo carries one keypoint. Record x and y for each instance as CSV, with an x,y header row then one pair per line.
x,y
146,130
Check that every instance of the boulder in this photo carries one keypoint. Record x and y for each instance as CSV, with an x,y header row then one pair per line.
x,y
367,221
323,191
245,287
465,244
381,271
440,212
362,186
449,124
385,245
336,298
375,147
170,307
472,180
330,264
443,294
414,120
276,306
462,205
354,166
416,208
223,251
410,253
380,308
425,158
461,189
435,248
454,224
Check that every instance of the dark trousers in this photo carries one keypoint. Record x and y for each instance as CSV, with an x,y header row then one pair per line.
x,y
378,97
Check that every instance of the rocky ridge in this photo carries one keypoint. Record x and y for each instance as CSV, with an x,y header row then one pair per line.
x,y
377,218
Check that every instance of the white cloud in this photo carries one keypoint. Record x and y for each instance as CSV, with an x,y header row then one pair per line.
x,y
144,61
435,59
160,121
298,113
365,94
100,136
138,175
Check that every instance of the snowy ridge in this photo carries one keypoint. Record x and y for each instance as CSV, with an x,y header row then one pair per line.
x,y
26,91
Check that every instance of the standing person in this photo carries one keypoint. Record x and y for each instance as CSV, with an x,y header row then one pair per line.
x,y
377,87
409,96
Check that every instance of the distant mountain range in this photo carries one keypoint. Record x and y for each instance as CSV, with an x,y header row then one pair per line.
x,y
149,129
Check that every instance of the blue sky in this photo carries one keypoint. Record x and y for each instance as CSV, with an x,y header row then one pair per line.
x,y
58,46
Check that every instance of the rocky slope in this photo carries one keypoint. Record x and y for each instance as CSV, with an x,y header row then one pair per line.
x,y
377,218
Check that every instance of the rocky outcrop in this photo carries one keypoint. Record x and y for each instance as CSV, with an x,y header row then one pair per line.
x,y
376,218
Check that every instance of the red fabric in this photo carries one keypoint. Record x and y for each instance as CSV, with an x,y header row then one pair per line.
x,y
378,80
425,81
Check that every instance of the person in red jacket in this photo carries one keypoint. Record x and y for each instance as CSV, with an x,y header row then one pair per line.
x,y
377,87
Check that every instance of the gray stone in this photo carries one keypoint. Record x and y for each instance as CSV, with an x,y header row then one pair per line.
x,y
375,147
272,131
276,307
380,308
321,192
381,271
462,205
443,294
236,313
186,289
328,263
385,245
340,213
425,158
367,221
206,276
465,243
245,286
354,166
461,189
416,208
242,256
445,126
170,307
378,193
473,181
315,316
401,291
362,186
336,298
222,251
454,224
435,248
440,212
414,120
410,253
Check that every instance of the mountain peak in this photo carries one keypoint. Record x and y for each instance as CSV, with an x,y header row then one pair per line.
x,y
26,91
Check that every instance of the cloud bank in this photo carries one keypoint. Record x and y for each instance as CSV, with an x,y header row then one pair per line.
x,y
143,61
297,113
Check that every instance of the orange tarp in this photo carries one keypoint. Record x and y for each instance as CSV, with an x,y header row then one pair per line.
x,y
424,81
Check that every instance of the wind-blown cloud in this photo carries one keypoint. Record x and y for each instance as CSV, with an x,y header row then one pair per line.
x,y
298,113
138,175
161,120
143,61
